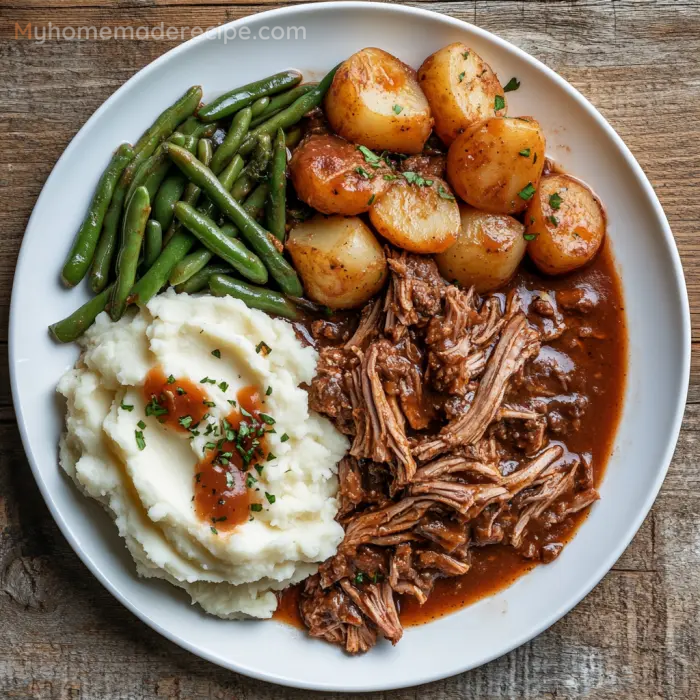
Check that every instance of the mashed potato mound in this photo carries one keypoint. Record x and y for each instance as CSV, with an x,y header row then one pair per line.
x,y
149,491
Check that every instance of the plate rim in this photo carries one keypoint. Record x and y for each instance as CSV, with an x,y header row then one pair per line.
x,y
681,291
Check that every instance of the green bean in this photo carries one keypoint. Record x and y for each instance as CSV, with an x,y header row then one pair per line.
x,y
205,150
234,138
254,297
79,321
191,264
234,100
255,235
231,250
260,160
169,192
157,276
153,243
189,196
160,130
262,118
284,99
153,170
276,218
135,220
242,187
200,281
193,127
168,120
293,136
85,243
290,115
259,106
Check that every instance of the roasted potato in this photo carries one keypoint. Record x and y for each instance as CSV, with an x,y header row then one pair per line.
x,y
461,90
565,224
334,177
340,261
422,218
496,165
375,100
487,252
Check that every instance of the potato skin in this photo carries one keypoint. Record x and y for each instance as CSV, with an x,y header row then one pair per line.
x,y
332,176
487,252
567,237
360,104
420,219
340,261
461,89
485,166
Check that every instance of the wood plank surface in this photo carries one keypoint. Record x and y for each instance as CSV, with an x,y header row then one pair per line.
x,y
636,636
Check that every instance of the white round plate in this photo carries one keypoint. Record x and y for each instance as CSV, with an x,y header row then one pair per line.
x,y
656,305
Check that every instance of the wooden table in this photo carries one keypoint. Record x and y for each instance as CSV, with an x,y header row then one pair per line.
x,y
637,635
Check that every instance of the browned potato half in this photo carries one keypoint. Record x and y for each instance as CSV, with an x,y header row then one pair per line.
x,y
333,176
420,218
487,252
461,90
496,165
565,225
340,261
375,100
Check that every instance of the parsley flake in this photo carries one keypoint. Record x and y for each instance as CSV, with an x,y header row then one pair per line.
x,y
527,192
185,421
530,236
267,419
553,220
180,391
126,407
444,194
263,347
461,76
397,109
499,103
363,173
217,354
370,156
525,153
269,391
141,425
359,577
214,530
512,84
256,507
555,201
223,386
270,498
465,54
370,201
140,442
284,438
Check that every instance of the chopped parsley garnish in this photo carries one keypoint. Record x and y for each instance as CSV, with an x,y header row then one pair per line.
x,y
246,413
126,407
250,480
466,54
499,103
230,481
263,347
359,577
363,173
269,391
530,236
140,442
209,446
214,530
527,192
270,498
553,220
231,401
209,404
141,425
512,84
185,421
461,76
370,156
525,153
270,457
180,391
267,419
256,507
444,194
391,177
206,380
416,179
397,109
153,408
370,201
376,576
223,386
284,438
555,201
217,354
171,379
259,468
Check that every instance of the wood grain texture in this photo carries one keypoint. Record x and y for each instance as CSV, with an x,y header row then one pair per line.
x,y
636,636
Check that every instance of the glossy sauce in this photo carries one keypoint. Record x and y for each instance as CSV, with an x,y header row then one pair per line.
x,y
225,477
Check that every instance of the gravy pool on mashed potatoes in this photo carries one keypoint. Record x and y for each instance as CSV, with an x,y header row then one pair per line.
x,y
145,471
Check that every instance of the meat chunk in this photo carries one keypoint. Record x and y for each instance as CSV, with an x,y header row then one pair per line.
x,y
328,393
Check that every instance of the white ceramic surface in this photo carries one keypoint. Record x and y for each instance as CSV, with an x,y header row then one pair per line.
x,y
656,304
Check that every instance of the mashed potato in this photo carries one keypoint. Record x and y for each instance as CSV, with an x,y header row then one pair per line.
x,y
143,472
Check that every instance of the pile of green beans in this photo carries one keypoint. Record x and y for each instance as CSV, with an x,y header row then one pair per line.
x,y
175,190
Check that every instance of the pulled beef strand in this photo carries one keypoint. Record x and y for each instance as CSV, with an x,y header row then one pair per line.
x,y
441,461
